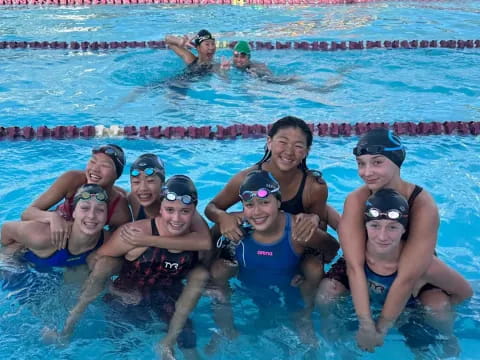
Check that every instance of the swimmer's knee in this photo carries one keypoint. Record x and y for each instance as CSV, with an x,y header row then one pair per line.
x,y
435,301
222,269
329,291
312,268
199,275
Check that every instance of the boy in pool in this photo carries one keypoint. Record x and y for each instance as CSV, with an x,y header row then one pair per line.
x,y
386,219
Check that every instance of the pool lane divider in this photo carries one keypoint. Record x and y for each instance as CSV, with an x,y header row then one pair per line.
x,y
195,2
257,45
231,132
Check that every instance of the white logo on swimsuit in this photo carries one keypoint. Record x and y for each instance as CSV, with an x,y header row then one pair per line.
x,y
169,265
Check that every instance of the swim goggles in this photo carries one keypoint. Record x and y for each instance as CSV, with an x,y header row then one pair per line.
x,y
260,193
85,195
112,152
171,196
374,149
392,214
147,171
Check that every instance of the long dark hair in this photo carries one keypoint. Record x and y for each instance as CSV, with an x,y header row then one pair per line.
x,y
289,122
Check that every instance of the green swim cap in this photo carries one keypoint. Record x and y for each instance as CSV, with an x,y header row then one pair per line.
x,y
242,47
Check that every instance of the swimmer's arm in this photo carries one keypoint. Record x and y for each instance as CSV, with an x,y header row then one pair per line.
x,y
31,234
196,240
178,45
226,198
122,213
449,280
351,232
415,258
116,246
38,210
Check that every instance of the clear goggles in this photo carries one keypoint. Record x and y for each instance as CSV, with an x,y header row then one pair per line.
x,y
260,193
185,199
392,214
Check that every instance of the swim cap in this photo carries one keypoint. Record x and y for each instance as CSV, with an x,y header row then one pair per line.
x,y
86,191
180,187
242,47
116,153
148,161
201,37
387,204
255,184
381,141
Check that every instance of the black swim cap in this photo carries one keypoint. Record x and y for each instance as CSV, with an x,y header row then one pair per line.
x,y
86,191
260,179
381,141
151,161
181,185
116,153
202,36
387,204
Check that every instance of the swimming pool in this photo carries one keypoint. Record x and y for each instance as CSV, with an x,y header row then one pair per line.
x,y
57,87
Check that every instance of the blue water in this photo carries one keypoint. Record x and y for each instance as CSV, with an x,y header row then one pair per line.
x,y
79,88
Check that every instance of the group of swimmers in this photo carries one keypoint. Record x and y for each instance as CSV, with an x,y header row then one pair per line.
x,y
162,255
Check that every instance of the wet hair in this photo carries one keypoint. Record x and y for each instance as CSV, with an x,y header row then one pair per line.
x,y
289,122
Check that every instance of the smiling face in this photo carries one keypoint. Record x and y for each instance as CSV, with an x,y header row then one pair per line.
x,y
101,170
240,60
262,213
288,147
206,50
377,171
384,236
176,217
90,216
146,189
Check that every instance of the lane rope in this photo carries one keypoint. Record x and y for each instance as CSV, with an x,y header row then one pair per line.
x,y
236,131
257,45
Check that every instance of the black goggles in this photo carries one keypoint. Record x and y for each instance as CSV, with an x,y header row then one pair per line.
x,y
392,214
374,149
262,193
110,151
185,199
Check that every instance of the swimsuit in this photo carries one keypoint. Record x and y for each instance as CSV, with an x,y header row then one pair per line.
x,y
267,269
141,214
62,257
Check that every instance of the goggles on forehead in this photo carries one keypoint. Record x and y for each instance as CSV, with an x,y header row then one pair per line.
x,y
85,195
374,149
185,199
108,150
260,193
392,214
147,171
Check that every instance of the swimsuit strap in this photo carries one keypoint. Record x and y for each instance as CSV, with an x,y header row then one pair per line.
x,y
111,208
154,227
413,196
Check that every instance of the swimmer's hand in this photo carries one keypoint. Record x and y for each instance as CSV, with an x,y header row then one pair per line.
x,y
230,227
225,64
187,42
53,337
133,235
368,338
304,227
60,230
165,351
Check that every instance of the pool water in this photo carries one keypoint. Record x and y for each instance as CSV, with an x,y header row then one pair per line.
x,y
134,87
